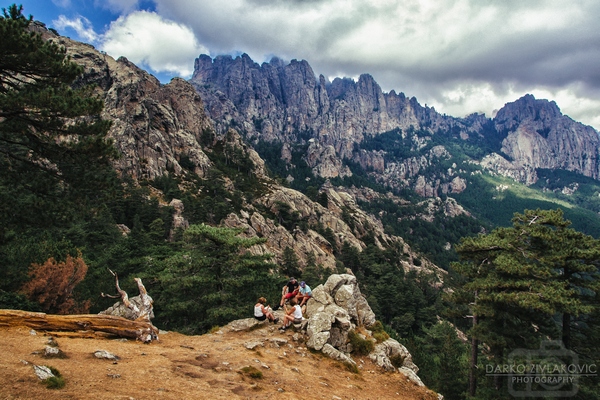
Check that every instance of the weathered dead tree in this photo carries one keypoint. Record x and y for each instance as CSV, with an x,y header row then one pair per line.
x,y
122,327
136,308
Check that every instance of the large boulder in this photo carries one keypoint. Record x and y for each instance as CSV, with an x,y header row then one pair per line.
x,y
336,307
319,322
318,340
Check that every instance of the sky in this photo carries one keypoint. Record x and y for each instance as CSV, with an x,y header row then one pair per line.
x,y
459,56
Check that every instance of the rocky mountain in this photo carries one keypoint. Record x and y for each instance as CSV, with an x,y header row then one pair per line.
x,y
164,130
539,136
322,131
286,102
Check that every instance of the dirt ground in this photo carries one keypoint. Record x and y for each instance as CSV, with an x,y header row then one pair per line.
x,y
191,367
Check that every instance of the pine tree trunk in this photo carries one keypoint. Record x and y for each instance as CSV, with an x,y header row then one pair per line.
x,y
566,330
473,366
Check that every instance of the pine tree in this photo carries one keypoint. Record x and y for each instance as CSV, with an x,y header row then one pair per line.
x,y
54,154
519,278
290,265
214,280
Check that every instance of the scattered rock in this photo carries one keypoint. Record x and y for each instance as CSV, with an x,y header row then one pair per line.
x,y
54,352
253,345
384,352
244,324
335,354
106,355
411,375
42,372
279,341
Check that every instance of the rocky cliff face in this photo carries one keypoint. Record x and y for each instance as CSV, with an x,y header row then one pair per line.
x,y
539,136
288,103
154,126
283,102
157,128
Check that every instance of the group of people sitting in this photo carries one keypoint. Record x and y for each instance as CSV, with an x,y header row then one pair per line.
x,y
297,294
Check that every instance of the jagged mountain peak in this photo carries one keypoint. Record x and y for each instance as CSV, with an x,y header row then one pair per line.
x,y
528,108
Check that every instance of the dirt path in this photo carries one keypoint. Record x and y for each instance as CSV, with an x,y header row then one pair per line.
x,y
192,367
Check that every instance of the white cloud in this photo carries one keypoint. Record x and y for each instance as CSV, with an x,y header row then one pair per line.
x,y
62,3
160,44
81,25
117,6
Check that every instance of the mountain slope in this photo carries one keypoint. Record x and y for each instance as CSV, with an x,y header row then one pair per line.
x,y
309,130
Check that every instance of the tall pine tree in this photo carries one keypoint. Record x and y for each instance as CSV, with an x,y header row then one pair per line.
x,y
214,280
54,154
520,278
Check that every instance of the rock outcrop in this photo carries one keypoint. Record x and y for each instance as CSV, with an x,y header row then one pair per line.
x,y
157,128
338,308
539,136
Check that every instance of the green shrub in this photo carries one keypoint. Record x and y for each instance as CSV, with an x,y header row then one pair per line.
x,y
359,345
397,360
17,301
379,332
351,367
55,382
252,372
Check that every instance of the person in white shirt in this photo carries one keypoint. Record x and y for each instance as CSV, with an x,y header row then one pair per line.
x,y
261,312
293,315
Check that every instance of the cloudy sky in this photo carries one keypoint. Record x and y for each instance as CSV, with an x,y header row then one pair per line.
x,y
460,56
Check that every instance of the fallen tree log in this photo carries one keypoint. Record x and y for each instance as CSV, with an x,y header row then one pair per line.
x,y
140,329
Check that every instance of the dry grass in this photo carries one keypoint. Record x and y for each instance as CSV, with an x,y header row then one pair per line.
x,y
191,367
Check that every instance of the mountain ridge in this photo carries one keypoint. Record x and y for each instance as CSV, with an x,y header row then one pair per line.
x,y
288,99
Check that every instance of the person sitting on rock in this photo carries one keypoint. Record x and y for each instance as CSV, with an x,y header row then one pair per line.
x,y
304,293
289,291
293,314
262,312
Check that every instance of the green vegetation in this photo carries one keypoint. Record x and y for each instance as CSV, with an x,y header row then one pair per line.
x,y
495,199
54,154
442,359
360,345
379,332
406,302
252,372
55,382
430,238
536,280
210,281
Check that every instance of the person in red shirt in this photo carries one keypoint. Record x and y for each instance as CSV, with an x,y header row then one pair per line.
x,y
289,291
